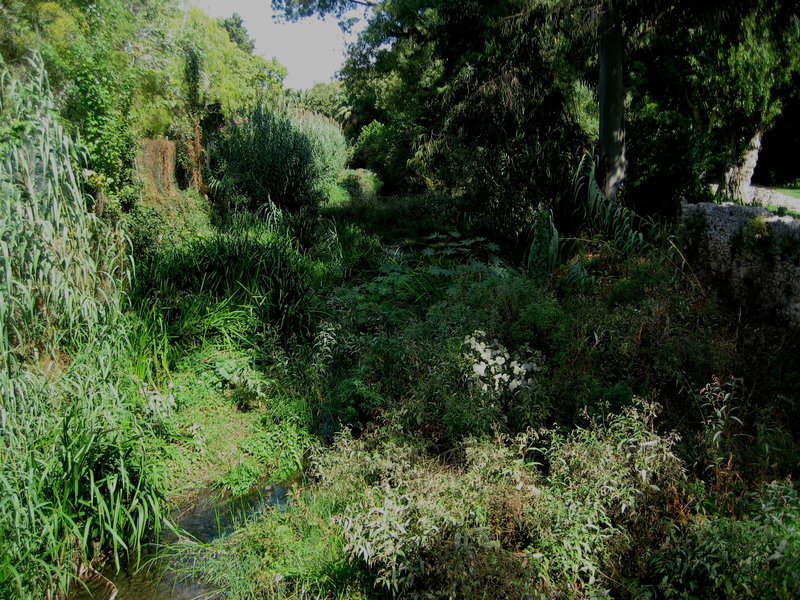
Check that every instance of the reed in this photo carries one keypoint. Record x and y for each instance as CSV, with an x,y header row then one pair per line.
x,y
72,474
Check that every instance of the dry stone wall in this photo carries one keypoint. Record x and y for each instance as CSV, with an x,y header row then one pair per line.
x,y
750,254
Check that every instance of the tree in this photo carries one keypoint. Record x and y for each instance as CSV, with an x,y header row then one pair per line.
x,y
468,100
297,9
326,99
727,69
611,94
735,54
613,24
754,74
237,32
744,46
604,19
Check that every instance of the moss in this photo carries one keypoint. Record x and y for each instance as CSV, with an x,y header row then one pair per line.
x,y
692,232
788,246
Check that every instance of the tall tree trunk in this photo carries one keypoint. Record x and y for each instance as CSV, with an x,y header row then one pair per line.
x,y
612,102
739,176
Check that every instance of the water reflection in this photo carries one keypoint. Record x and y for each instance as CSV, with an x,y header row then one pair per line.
x,y
209,517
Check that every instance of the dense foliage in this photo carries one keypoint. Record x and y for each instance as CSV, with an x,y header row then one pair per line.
x,y
484,432
460,368
124,70
276,158
494,101
72,467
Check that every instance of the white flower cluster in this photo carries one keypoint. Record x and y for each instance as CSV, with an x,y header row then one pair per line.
x,y
494,371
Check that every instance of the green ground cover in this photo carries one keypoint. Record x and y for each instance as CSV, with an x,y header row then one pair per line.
x,y
783,211
463,428
793,192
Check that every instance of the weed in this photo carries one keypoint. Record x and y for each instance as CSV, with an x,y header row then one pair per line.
x,y
280,447
246,274
621,226
756,234
756,557
240,478
361,183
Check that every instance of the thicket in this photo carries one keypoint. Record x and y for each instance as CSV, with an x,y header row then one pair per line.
x,y
73,470
493,103
492,436
587,420
126,70
272,157
247,266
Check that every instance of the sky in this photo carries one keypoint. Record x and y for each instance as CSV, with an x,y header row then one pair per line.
x,y
311,49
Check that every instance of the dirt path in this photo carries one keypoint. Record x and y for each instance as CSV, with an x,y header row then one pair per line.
x,y
769,197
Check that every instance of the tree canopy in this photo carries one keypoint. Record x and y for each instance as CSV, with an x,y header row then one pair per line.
x,y
297,9
540,79
237,32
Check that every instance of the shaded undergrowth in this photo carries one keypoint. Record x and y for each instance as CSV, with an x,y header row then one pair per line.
x,y
475,430
449,423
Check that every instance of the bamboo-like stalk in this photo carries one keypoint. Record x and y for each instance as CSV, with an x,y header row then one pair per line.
x,y
71,466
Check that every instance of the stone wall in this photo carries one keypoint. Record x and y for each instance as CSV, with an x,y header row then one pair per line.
x,y
749,254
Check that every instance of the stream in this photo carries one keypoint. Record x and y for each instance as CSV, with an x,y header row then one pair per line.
x,y
209,517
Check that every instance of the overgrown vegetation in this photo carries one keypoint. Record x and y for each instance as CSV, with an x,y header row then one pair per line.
x,y
498,382
493,439
268,157
73,469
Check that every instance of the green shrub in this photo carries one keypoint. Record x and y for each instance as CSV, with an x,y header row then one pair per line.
x,y
756,234
361,183
264,156
388,150
240,478
328,144
342,250
152,227
291,552
279,447
755,557
336,195
155,122
494,524
608,218
372,147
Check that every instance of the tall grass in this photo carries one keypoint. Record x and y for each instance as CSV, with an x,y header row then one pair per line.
x,y
277,157
72,476
244,279
263,156
328,144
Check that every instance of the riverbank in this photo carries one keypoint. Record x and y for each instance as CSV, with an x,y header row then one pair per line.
x,y
444,409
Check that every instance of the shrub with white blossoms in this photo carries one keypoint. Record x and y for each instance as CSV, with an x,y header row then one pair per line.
x,y
494,371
